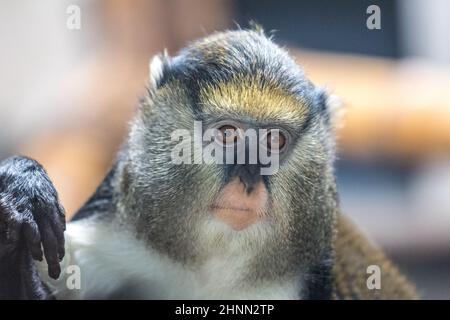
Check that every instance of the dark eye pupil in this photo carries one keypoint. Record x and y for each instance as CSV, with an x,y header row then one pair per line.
x,y
227,134
276,141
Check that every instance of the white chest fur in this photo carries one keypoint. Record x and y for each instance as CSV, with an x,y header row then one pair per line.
x,y
110,260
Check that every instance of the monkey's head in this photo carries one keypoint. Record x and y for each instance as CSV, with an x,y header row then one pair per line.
x,y
238,85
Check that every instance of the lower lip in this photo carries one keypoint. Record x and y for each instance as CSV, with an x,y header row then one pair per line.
x,y
215,208
236,218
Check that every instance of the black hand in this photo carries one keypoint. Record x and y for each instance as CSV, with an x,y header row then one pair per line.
x,y
30,212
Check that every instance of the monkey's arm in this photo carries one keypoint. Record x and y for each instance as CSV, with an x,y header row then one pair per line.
x,y
30,215
354,253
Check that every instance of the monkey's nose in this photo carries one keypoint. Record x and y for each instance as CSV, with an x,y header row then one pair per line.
x,y
249,175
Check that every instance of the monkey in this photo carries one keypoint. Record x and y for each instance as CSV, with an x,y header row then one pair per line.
x,y
155,229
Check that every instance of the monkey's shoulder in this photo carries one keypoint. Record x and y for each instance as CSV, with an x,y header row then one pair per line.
x,y
354,255
101,203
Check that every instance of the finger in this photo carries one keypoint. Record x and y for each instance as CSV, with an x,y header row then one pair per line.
x,y
3,223
50,245
33,239
58,230
11,232
2,208
62,215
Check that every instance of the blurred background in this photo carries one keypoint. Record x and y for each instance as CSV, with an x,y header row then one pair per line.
x,y
67,95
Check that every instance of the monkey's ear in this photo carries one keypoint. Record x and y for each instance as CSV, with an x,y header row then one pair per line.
x,y
330,106
158,66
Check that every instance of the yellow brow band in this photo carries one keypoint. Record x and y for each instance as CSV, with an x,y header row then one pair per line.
x,y
249,97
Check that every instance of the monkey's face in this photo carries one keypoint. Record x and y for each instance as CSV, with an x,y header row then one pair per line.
x,y
233,147
257,136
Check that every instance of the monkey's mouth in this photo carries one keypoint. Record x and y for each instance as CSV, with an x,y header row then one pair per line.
x,y
237,208
217,207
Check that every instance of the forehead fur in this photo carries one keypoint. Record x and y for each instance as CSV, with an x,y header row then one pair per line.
x,y
252,98
241,72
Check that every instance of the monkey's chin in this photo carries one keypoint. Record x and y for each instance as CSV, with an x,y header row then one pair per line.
x,y
239,209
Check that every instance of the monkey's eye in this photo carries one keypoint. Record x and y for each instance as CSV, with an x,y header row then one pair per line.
x,y
276,141
227,134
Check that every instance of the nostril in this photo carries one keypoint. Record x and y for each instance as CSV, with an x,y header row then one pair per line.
x,y
248,186
249,176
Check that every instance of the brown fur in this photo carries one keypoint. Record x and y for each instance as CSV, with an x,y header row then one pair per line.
x,y
354,253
